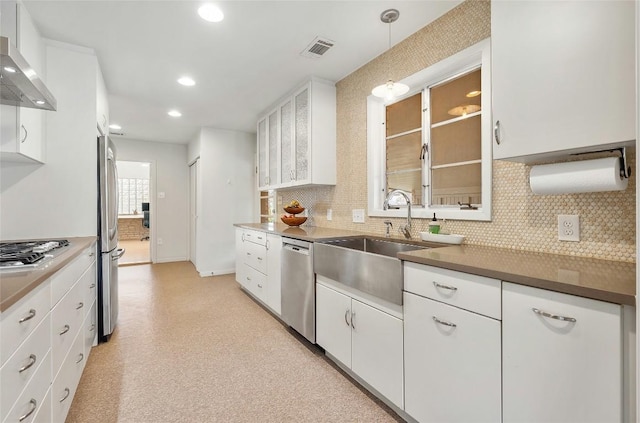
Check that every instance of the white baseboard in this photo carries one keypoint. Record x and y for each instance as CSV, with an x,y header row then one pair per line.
x,y
206,273
171,259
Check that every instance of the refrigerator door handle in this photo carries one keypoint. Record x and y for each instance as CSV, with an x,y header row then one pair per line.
x,y
116,255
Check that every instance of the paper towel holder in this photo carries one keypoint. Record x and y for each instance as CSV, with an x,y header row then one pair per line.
x,y
625,170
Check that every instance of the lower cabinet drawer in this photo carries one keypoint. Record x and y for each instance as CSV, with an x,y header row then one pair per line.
x,y
64,279
66,381
478,294
257,283
23,365
67,318
256,256
33,396
90,329
22,318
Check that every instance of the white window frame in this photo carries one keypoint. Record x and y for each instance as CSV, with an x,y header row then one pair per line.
x,y
477,55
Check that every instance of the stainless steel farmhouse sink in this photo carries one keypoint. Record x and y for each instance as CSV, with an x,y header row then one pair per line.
x,y
367,264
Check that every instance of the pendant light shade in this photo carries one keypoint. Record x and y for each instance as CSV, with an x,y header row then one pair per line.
x,y
390,89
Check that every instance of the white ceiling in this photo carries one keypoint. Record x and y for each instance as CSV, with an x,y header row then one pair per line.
x,y
241,65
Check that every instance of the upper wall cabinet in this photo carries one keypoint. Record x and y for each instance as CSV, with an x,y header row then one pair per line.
x,y
563,77
22,129
102,104
297,139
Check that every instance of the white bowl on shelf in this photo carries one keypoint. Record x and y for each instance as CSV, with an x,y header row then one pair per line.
x,y
442,238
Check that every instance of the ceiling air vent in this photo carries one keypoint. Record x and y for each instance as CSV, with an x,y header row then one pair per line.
x,y
317,48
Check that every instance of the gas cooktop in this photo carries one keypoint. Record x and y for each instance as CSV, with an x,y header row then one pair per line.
x,y
28,254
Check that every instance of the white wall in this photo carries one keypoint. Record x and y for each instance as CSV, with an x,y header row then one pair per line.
x,y
170,215
58,199
227,195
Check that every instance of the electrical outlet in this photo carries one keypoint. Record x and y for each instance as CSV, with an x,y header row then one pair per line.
x,y
568,227
329,214
358,215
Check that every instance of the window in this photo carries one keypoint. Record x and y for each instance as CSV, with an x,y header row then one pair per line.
x,y
267,206
434,145
133,192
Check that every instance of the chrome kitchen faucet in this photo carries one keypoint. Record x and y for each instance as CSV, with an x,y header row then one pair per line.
x,y
405,229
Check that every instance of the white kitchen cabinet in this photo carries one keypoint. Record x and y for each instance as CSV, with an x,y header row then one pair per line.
x,y
258,265
452,373
363,338
562,357
563,77
297,138
22,128
333,323
274,281
102,104
43,344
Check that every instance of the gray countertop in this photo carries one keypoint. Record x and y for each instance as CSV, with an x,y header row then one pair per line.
x,y
14,285
603,280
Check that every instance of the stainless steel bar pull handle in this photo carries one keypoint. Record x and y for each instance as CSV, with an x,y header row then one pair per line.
x,y
65,330
346,313
93,285
80,358
119,253
259,286
34,405
31,315
449,287
259,258
26,134
353,319
80,305
67,392
553,316
92,328
32,361
496,132
444,322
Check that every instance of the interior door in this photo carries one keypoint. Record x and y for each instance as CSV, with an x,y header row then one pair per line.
x,y
194,171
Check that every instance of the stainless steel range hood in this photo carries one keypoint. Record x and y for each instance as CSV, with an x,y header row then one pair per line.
x,y
19,83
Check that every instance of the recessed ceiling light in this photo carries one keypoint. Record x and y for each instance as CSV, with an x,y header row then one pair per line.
x,y
10,69
186,81
115,126
473,93
174,113
40,102
210,12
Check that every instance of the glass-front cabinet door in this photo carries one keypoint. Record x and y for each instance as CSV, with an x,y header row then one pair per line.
x,y
286,143
302,134
272,157
262,153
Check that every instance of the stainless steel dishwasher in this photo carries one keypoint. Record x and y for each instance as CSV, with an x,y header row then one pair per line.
x,y
298,287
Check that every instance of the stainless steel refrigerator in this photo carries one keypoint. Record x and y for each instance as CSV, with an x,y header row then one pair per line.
x,y
108,242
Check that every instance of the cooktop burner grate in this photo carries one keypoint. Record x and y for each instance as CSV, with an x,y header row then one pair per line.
x,y
28,252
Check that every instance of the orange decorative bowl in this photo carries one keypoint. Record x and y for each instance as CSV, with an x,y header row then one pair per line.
x,y
294,210
294,221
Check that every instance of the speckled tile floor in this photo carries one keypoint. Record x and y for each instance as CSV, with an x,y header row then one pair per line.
x,y
191,349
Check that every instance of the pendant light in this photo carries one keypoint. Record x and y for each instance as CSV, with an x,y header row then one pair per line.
x,y
390,89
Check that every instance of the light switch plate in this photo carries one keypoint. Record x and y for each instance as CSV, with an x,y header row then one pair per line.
x,y
329,214
569,227
358,215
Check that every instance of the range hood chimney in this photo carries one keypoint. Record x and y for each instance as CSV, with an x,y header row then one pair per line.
x,y
19,83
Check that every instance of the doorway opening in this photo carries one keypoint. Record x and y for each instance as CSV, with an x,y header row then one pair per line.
x,y
134,211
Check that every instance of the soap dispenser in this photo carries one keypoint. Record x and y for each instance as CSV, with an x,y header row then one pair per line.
x,y
434,225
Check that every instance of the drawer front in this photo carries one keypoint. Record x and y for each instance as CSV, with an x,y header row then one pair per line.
x,y
257,237
475,293
90,329
22,366
65,278
22,318
257,284
33,396
43,415
88,283
256,256
65,384
67,318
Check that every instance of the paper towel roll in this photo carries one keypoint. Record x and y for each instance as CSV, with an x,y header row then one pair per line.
x,y
574,177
